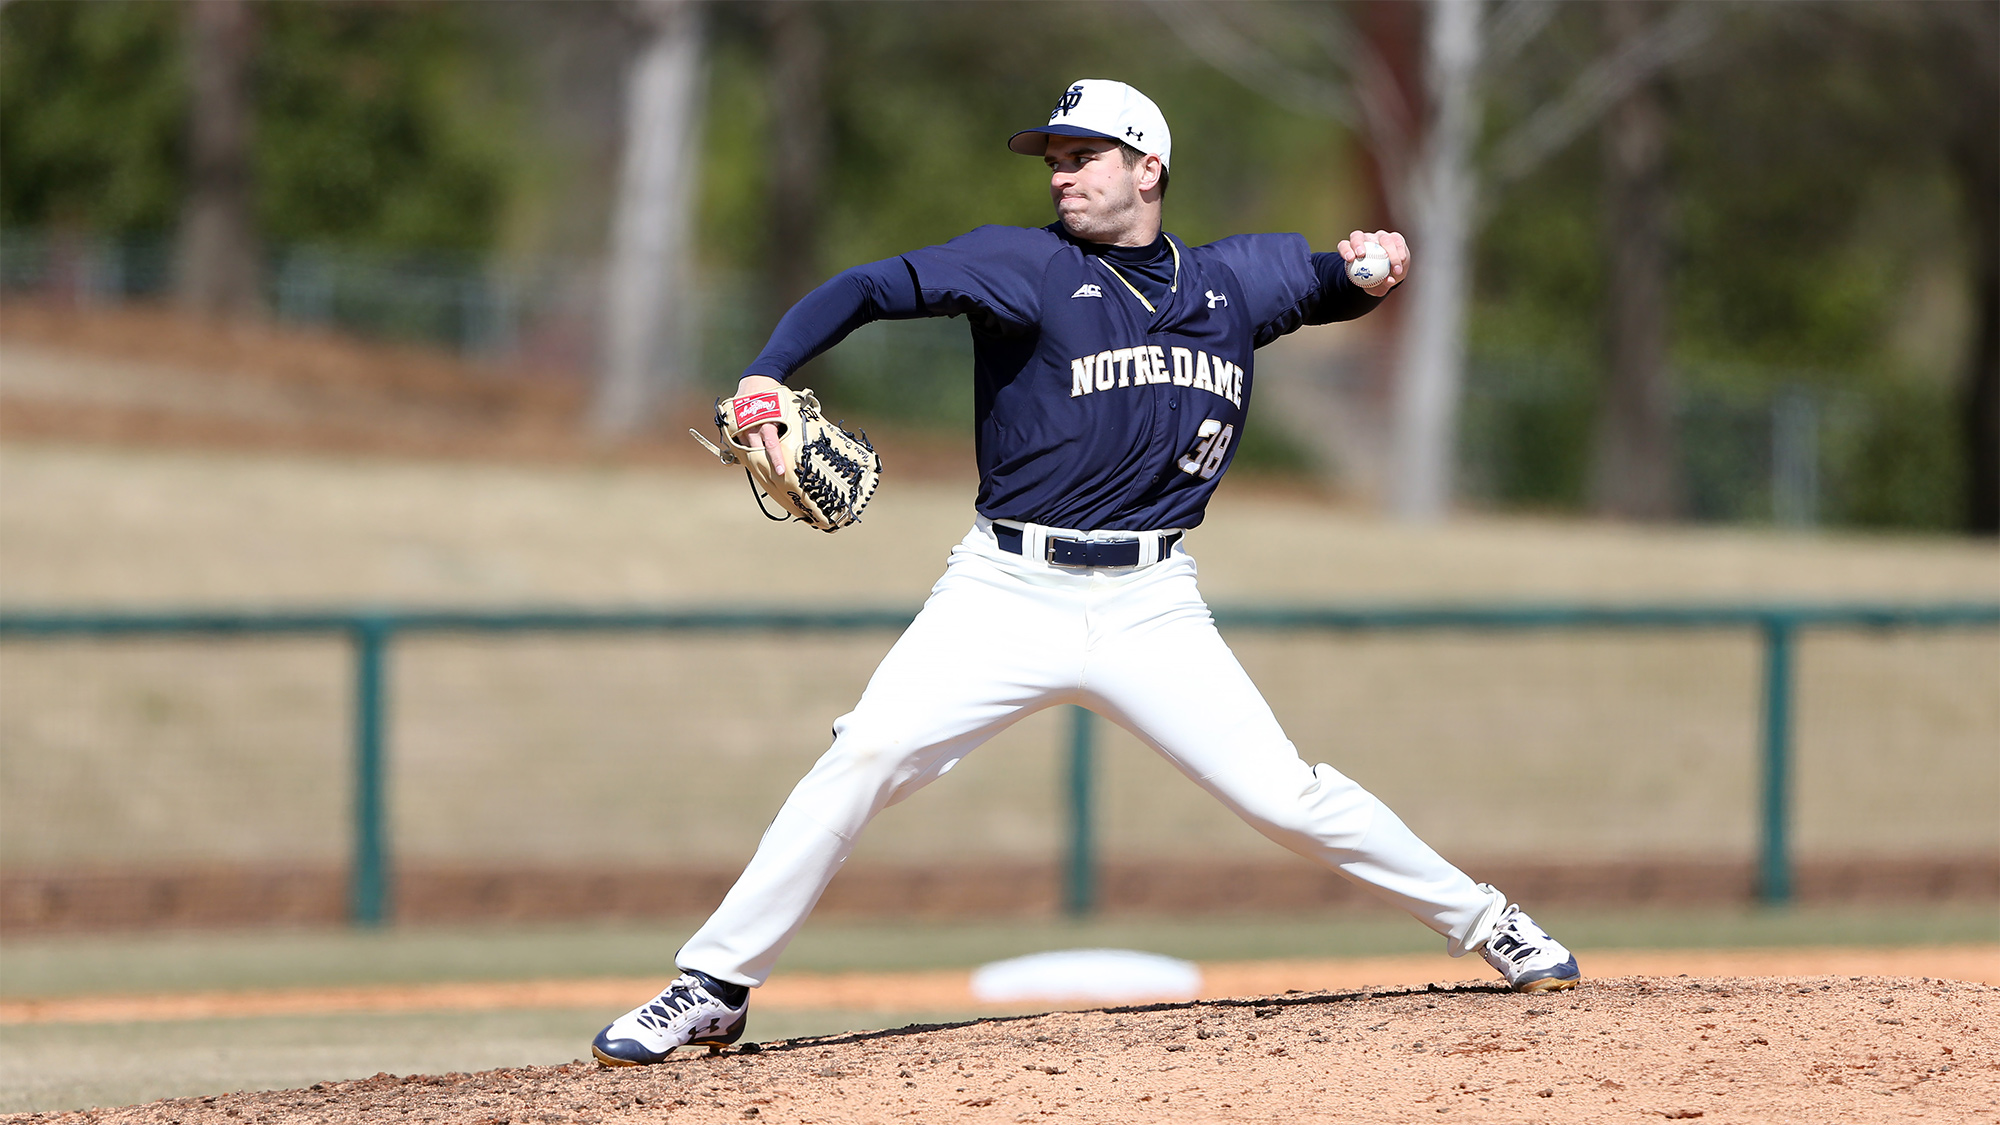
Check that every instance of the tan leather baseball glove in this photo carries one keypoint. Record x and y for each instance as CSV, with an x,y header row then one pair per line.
x,y
830,474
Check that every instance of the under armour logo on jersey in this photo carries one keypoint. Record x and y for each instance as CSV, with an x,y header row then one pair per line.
x,y
1086,291
1071,98
1215,298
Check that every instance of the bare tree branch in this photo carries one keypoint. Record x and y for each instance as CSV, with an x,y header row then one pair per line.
x,y
1387,117
1600,86
1516,25
1360,92
1219,43
649,325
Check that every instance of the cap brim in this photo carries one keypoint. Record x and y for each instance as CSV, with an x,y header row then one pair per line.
x,y
1034,142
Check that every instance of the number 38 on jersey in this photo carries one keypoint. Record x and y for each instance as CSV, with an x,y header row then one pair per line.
x,y
1211,445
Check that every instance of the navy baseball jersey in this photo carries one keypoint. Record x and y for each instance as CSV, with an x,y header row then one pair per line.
x,y
1110,383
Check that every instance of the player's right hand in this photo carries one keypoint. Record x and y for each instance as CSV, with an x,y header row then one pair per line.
x,y
1392,243
766,434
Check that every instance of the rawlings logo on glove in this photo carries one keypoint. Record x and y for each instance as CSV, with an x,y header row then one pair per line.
x,y
830,474
755,410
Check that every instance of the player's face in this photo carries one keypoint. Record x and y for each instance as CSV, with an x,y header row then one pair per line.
x,y
1096,195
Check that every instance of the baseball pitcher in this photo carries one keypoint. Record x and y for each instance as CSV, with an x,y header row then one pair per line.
x,y
1113,367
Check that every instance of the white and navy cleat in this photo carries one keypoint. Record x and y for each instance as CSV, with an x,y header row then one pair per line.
x,y
695,1010
1528,957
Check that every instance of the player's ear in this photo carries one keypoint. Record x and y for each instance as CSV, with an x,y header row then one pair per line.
x,y
1151,173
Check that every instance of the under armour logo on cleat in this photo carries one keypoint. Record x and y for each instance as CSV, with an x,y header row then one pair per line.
x,y
1215,298
1086,291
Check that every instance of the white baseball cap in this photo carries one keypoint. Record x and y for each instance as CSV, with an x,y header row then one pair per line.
x,y
1099,107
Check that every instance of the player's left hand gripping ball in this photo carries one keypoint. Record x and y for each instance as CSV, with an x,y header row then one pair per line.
x,y
829,474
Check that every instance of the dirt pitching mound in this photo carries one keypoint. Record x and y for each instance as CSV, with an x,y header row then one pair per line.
x,y
1721,1049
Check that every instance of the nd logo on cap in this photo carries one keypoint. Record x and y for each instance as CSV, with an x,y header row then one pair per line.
x,y
1099,107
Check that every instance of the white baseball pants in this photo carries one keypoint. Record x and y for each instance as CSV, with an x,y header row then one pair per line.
x,y
1005,635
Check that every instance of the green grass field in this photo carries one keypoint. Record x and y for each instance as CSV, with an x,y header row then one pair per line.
x,y
66,1066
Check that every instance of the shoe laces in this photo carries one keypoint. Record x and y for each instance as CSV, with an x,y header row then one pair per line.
x,y
674,999
1528,939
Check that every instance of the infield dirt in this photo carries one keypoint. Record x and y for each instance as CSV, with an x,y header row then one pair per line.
x,y
1628,1049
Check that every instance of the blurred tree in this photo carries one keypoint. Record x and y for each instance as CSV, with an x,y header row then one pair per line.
x,y
92,116
1439,194
1813,154
367,130
218,271
1636,467
1803,139
1869,117
1423,147
363,131
1967,46
796,73
649,299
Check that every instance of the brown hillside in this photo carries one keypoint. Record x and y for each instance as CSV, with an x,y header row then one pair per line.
x,y
149,376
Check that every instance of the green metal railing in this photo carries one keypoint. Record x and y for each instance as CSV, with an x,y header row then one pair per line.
x,y
372,632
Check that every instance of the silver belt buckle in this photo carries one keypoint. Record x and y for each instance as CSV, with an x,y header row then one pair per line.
x,y
1049,551
1091,546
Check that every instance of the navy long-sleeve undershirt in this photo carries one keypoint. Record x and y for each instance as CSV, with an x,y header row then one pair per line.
x,y
884,290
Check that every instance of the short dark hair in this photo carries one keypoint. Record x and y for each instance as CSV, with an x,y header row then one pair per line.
x,y
1133,156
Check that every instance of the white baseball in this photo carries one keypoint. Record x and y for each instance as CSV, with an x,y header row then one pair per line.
x,y
1371,267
